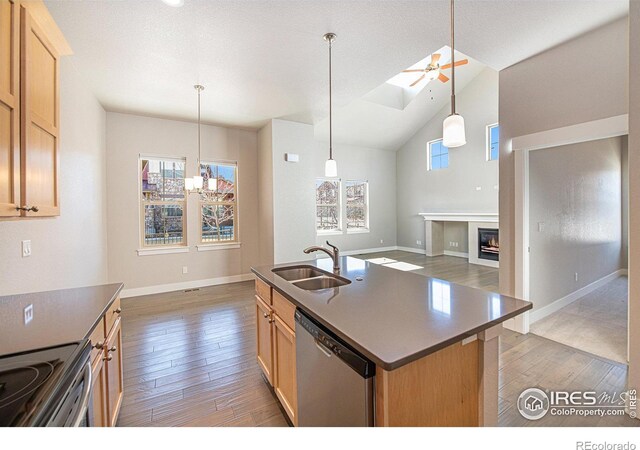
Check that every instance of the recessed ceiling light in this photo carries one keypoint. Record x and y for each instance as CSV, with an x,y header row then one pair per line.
x,y
174,3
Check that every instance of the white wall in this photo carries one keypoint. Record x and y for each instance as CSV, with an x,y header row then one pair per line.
x,y
554,89
294,191
265,193
624,255
127,137
69,250
575,215
452,189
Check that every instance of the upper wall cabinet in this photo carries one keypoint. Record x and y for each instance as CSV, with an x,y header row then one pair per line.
x,y
30,48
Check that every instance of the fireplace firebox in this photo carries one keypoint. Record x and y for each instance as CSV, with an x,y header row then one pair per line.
x,y
488,244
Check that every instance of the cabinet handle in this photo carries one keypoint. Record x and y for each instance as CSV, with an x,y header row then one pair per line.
x,y
108,358
117,310
113,349
265,315
27,208
99,345
272,320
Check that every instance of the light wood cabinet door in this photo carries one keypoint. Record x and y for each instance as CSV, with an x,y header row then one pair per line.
x,y
100,416
284,379
9,108
264,338
115,382
40,118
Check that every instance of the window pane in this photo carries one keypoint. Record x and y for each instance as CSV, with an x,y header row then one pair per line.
x,y
163,224
327,218
444,161
439,155
162,180
435,162
327,192
356,216
219,181
218,223
356,192
494,142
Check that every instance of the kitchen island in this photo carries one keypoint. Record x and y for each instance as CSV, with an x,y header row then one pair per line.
x,y
434,343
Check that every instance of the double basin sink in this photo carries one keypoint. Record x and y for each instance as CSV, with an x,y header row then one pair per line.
x,y
310,278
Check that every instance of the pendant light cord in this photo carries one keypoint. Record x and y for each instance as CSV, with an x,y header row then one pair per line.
x,y
330,107
199,91
453,63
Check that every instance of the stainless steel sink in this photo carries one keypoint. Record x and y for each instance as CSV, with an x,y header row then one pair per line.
x,y
296,273
324,282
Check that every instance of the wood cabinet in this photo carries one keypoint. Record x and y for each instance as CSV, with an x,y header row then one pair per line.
x,y
106,360
276,345
30,49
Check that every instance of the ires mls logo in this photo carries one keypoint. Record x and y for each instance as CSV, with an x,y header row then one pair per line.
x,y
533,404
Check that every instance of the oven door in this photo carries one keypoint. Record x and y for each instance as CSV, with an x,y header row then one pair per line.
x,y
75,409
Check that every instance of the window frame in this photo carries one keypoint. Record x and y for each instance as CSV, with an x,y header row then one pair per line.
x,y
147,249
366,228
334,231
430,156
488,142
235,243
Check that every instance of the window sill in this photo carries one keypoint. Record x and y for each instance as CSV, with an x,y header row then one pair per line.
x,y
162,250
359,231
213,247
329,233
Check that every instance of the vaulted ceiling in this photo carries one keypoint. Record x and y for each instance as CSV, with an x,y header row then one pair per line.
x,y
263,59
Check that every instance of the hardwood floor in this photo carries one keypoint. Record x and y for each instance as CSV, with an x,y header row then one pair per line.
x,y
190,361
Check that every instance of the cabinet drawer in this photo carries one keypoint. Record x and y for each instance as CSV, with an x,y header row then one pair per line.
x,y
110,317
263,290
97,338
284,309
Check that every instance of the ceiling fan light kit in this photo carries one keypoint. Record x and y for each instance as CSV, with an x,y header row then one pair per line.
x,y
453,132
331,166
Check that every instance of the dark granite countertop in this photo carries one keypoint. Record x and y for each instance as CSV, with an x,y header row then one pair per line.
x,y
394,317
59,317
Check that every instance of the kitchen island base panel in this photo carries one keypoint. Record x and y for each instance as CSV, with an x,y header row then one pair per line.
x,y
456,386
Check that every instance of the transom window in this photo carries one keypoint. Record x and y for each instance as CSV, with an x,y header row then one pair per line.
x,y
162,201
493,142
219,203
357,205
438,155
327,205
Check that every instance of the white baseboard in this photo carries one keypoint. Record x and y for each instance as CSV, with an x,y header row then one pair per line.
x,y
162,288
367,250
457,254
624,272
411,249
537,314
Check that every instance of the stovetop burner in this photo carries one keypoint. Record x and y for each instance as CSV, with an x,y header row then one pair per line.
x,y
27,381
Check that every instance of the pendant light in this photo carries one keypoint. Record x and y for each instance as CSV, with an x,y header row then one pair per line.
x,y
330,167
453,134
196,183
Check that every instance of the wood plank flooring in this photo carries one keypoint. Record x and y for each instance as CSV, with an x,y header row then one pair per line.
x,y
189,360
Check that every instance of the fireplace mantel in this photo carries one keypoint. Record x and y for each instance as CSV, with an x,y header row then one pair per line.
x,y
460,217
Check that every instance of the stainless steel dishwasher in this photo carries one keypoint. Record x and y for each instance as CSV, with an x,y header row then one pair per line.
x,y
335,383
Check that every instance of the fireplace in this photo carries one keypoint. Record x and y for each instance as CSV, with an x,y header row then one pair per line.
x,y
488,244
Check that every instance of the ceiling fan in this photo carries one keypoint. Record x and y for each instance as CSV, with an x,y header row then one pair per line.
x,y
433,70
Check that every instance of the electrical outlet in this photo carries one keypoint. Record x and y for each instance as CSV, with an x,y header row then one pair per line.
x,y
26,249
382,241
540,227
419,242
185,270
455,244
28,314
576,276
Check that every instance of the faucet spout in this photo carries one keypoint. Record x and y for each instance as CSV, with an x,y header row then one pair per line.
x,y
334,254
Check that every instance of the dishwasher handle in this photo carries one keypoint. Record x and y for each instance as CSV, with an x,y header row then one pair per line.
x,y
323,349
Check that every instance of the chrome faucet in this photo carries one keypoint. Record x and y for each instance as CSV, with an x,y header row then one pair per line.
x,y
335,254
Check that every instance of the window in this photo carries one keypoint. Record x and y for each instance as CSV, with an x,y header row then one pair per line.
x,y
162,201
219,203
357,205
493,142
438,155
327,205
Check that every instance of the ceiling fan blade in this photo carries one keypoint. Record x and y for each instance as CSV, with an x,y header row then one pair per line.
x,y
462,62
442,77
417,81
435,58
413,70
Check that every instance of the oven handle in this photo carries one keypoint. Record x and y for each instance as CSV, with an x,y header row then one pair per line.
x,y
85,396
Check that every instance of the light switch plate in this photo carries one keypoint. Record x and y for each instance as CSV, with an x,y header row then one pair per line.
x,y
26,249
28,314
185,270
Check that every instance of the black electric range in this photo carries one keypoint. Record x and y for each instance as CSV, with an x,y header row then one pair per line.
x,y
36,385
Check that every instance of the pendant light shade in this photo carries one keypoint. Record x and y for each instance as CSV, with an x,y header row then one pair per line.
x,y
453,134
198,182
188,184
331,166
